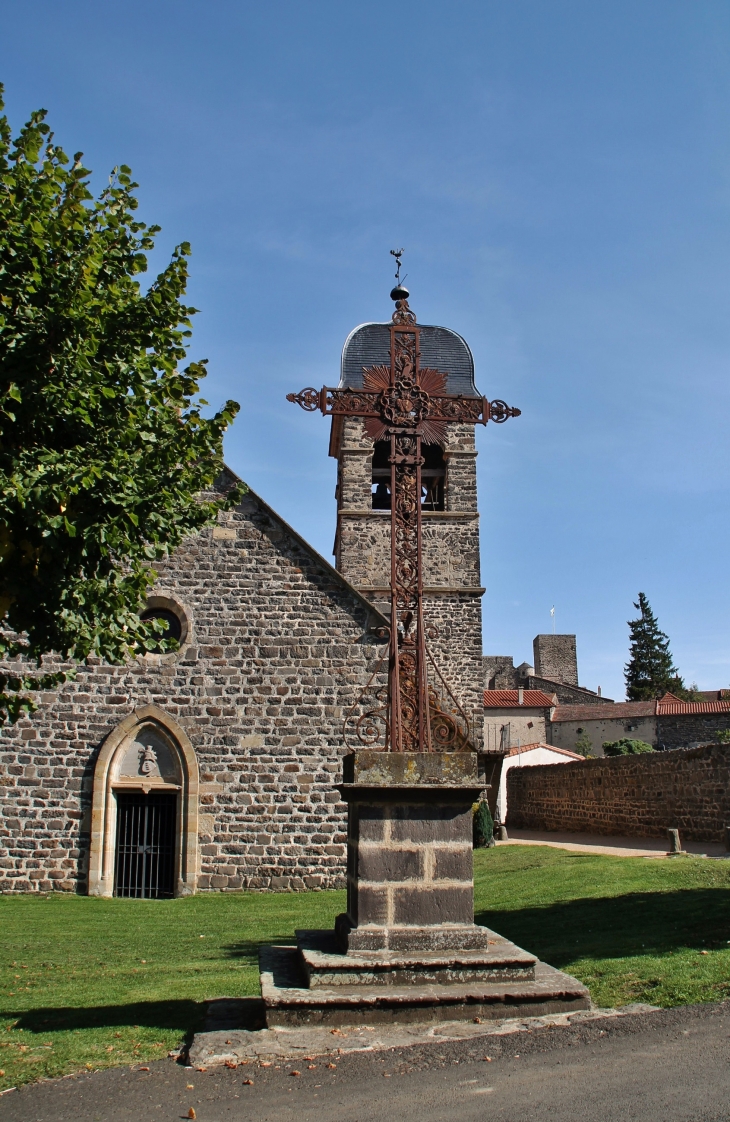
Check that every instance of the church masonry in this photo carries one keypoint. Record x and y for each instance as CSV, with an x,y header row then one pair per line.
x,y
239,734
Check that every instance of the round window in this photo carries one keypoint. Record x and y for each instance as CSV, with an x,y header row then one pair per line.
x,y
173,626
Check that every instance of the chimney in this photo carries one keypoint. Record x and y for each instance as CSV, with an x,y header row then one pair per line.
x,y
599,691
520,696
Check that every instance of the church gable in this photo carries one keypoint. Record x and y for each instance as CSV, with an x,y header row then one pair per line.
x,y
276,646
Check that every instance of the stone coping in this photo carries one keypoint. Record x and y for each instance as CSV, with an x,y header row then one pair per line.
x,y
320,951
411,793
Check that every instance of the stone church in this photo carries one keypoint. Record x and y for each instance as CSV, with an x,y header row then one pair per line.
x,y
214,767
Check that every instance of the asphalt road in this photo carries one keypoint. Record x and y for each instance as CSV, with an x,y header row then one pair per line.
x,y
672,1066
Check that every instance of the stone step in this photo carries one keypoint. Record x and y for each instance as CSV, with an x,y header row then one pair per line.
x,y
325,964
289,1001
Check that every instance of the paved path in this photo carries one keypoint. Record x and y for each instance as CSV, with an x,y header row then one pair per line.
x,y
613,846
671,1066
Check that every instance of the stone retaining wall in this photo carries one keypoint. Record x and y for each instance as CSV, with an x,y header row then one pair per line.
x,y
641,796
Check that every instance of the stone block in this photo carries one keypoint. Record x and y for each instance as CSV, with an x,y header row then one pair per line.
x,y
453,864
432,905
368,822
424,822
381,864
369,904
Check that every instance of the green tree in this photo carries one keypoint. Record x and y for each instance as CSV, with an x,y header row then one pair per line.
x,y
584,744
105,456
650,671
482,825
625,747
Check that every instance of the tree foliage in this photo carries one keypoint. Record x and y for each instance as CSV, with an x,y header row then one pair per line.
x,y
650,671
584,745
104,451
482,825
625,747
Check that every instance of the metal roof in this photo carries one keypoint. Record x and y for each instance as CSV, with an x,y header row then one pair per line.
x,y
441,349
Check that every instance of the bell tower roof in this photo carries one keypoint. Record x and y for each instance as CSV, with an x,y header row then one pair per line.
x,y
441,349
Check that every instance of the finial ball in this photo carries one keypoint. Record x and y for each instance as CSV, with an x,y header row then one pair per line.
x,y
400,292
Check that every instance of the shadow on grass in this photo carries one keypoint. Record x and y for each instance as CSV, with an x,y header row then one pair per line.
x,y
186,1016
639,923
251,947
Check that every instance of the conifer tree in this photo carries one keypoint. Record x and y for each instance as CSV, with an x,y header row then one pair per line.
x,y
650,671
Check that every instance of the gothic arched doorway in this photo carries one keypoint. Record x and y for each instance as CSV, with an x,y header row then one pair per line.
x,y
144,822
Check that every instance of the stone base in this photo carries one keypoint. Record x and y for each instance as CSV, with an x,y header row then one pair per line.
x,y
290,1002
409,937
324,964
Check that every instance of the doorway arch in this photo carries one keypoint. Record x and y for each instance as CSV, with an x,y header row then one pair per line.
x,y
147,758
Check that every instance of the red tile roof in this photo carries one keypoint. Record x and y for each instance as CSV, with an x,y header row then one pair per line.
x,y
667,706
670,708
531,699
618,709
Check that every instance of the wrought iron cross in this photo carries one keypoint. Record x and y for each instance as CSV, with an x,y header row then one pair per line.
x,y
408,406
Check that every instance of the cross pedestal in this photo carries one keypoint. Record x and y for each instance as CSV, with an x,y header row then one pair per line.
x,y
407,949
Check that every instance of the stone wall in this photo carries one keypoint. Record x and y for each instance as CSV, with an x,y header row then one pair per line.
x,y
638,796
279,648
564,734
556,658
686,730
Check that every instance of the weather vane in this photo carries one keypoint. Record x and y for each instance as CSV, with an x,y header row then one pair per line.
x,y
397,253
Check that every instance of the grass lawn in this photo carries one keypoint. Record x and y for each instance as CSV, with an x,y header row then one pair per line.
x,y
86,982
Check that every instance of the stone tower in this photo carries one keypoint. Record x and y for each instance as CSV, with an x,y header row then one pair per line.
x,y
452,580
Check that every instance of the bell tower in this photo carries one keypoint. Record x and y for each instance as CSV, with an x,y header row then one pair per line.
x,y
450,519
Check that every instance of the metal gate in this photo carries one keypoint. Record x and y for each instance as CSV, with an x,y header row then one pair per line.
x,y
145,853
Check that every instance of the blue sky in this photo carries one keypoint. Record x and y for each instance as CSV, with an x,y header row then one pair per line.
x,y
559,173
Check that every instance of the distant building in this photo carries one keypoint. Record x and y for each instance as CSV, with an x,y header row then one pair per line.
x,y
665,723
513,718
554,670
516,717
528,756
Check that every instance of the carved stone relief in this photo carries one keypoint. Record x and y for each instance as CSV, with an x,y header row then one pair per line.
x,y
149,757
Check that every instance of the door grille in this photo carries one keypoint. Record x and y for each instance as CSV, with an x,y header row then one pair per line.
x,y
145,853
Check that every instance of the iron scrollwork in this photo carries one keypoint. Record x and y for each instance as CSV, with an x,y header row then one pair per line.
x,y
406,406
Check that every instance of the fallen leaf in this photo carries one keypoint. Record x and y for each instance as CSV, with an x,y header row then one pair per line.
x,y
201,1069
191,1112
143,1069
311,1066
189,1086
295,1073
331,1065
265,1063
2,1072
386,1075
704,952
231,1063
477,1020
487,1059
248,1082
335,1032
